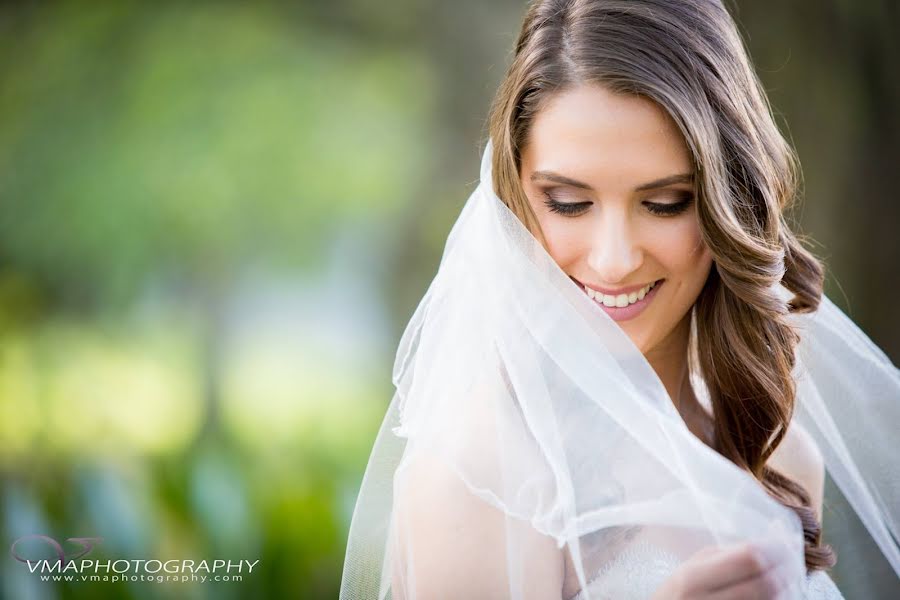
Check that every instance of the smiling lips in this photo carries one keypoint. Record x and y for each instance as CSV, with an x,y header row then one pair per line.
x,y
624,306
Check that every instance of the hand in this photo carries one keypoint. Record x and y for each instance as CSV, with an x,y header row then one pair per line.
x,y
740,572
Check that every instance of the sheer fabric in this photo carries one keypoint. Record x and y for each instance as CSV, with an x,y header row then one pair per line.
x,y
530,447
635,574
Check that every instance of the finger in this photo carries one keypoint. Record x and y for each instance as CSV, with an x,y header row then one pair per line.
x,y
706,551
730,566
760,587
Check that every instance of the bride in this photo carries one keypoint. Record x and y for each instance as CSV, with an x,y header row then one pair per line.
x,y
625,381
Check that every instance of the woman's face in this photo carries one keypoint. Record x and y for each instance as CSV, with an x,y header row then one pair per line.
x,y
610,180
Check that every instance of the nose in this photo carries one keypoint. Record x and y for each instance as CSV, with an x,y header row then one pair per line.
x,y
615,252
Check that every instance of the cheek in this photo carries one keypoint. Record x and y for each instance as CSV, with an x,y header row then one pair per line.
x,y
679,248
565,242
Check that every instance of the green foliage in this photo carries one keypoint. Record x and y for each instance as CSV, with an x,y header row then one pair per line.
x,y
151,155
191,140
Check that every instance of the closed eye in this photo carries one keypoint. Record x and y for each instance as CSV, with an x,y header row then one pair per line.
x,y
669,209
568,209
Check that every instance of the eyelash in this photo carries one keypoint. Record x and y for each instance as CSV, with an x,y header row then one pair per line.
x,y
571,209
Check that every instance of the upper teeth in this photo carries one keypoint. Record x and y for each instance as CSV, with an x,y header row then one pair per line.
x,y
621,300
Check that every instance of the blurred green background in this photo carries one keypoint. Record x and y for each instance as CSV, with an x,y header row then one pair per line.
x,y
216,218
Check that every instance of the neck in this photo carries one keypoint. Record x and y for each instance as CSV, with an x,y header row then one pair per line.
x,y
669,359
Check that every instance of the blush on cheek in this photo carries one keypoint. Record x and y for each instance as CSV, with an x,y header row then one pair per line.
x,y
682,248
562,245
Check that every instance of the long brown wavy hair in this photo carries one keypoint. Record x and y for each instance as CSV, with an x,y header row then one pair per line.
x,y
687,56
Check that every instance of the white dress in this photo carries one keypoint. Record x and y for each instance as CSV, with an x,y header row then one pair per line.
x,y
637,572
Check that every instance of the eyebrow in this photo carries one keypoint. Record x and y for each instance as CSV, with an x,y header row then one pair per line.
x,y
651,185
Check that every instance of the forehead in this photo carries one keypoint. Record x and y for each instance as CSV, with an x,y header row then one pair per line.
x,y
606,139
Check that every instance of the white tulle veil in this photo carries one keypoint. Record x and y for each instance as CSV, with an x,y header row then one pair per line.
x,y
525,421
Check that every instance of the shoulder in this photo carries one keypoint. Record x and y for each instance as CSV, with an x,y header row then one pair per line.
x,y
450,542
798,457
